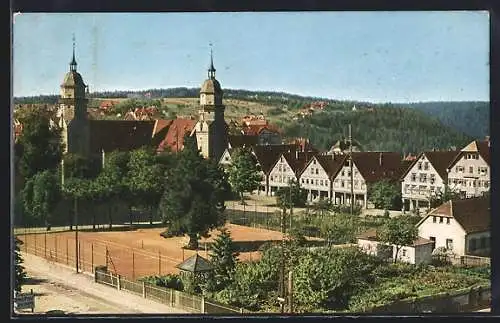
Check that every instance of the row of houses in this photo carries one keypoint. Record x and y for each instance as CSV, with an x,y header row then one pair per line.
x,y
461,227
328,175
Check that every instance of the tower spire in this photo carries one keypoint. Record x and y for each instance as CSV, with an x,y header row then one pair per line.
x,y
211,70
72,64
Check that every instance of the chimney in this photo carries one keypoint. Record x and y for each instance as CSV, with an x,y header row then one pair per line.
x,y
380,159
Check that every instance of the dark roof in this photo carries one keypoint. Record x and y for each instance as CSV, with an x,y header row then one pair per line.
x,y
330,163
195,264
119,135
242,140
376,166
267,155
440,161
371,235
73,79
473,214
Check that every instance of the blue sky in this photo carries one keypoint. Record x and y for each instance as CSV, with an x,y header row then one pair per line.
x,y
366,56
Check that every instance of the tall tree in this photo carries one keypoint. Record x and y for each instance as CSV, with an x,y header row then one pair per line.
x,y
398,231
444,196
110,185
192,202
385,195
20,274
244,173
41,195
40,144
144,180
224,256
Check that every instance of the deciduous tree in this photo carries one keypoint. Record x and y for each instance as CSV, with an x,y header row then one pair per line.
x,y
398,231
385,195
40,144
244,173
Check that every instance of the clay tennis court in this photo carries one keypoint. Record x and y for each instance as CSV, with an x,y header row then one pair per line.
x,y
132,254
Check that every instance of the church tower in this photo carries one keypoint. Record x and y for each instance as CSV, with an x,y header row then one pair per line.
x,y
73,111
211,129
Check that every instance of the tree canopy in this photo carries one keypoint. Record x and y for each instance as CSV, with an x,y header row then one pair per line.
x,y
398,231
244,173
193,199
385,195
291,196
40,144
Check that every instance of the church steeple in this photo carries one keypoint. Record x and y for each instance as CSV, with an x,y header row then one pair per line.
x,y
72,64
211,70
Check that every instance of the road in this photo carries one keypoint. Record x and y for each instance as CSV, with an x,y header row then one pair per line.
x,y
58,287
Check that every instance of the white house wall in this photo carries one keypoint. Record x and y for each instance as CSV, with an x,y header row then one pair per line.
x,y
470,176
421,181
342,184
280,175
442,231
314,179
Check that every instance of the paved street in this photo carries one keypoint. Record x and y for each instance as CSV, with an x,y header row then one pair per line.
x,y
58,287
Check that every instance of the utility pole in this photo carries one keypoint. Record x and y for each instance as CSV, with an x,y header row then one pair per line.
x,y
352,175
76,234
290,291
282,271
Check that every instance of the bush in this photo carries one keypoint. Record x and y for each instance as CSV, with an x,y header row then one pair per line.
x,y
171,234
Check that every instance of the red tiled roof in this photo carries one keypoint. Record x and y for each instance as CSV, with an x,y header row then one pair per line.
x,y
473,214
161,124
256,129
175,134
482,147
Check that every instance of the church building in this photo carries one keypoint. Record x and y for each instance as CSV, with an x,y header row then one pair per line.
x,y
93,138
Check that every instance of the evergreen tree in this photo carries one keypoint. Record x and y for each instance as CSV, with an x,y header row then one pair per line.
x,y
244,173
224,257
193,201
20,274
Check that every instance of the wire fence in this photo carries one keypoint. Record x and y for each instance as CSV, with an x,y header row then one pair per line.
x,y
167,296
129,262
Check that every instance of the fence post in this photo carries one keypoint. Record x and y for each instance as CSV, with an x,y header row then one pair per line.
x,y
55,243
143,289
202,304
35,243
159,263
25,242
45,245
133,266
92,256
80,262
118,281
172,302
67,256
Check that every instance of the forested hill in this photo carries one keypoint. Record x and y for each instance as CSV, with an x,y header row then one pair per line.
x,y
472,118
382,129
377,126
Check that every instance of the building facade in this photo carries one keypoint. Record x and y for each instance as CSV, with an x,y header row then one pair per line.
x,y
469,172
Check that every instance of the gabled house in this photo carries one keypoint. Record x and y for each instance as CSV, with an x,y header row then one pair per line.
x,y
469,171
461,226
424,178
368,168
317,175
266,134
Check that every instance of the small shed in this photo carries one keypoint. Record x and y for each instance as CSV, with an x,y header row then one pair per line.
x,y
195,265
